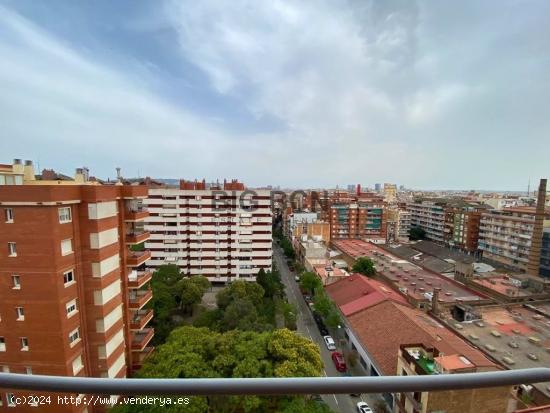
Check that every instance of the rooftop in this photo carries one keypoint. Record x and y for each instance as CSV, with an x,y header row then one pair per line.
x,y
383,327
409,278
357,292
517,337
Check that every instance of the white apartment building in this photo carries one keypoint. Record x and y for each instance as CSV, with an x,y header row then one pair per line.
x,y
223,234
505,235
403,225
430,216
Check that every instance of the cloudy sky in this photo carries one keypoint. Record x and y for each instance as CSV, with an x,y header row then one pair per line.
x,y
428,94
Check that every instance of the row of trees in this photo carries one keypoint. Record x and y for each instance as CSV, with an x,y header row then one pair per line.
x,y
310,283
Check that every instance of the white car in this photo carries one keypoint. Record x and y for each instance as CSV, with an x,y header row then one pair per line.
x,y
363,407
329,342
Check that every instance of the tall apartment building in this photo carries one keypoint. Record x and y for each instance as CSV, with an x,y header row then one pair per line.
x,y
362,217
221,231
430,216
505,235
462,227
71,291
390,192
399,225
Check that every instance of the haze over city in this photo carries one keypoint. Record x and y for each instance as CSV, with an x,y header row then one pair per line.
x,y
429,95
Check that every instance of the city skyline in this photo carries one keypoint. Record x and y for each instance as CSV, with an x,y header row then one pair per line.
x,y
432,96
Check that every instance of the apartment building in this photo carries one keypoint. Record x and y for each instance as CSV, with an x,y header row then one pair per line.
x,y
399,225
298,221
390,192
505,235
221,231
462,227
72,292
362,217
453,357
430,216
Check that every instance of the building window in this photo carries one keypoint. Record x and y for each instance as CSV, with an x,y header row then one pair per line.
x,y
16,281
4,369
12,250
363,362
68,278
28,370
24,344
77,365
2,344
9,215
64,215
71,308
67,246
74,337
20,313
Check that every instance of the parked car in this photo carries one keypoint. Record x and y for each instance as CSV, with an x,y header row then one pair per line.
x,y
363,407
319,321
339,361
307,299
329,342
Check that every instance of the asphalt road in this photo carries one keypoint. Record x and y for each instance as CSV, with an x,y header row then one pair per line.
x,y
341,403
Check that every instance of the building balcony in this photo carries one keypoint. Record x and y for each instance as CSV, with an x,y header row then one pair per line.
x,y
136,214
137,237
139,298
136,258
137,279
140,319
139,357
141,338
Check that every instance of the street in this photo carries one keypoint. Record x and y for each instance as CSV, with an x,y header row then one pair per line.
x,y
342,403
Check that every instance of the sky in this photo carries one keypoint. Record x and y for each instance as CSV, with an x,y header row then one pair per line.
x,y
426,94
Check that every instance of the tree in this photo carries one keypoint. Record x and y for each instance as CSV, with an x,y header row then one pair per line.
x,y
271,283
163,302
200,353
310,282
365,266
189,291
240,289
322,303
417,233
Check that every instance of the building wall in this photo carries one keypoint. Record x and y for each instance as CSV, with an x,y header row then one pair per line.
x,y
194,230
430,217
40,265
361,220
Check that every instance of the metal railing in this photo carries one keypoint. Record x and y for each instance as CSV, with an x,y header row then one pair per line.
x,y
273,386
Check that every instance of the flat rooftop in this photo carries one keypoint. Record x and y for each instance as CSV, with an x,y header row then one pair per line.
x,y
517,337
409,278
502,284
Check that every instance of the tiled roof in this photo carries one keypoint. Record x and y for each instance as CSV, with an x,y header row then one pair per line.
x,y
382,328
357,292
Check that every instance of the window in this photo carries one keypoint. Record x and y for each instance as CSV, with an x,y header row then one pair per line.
x,y
20,313
4,369
77,365
71,308
28,370
2,344
68,278
12,250
74,337
67,246
16,281
24,344
64,215
9,215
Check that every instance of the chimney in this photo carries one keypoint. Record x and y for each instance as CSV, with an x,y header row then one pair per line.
x,y
28,171
358,189
17,167
118,175
435,301
79,175
533,264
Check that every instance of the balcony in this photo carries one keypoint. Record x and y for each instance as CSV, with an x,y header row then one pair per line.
x,y
139,298
136,258
137,237
141,338
137,279
136,214
140,319
139,357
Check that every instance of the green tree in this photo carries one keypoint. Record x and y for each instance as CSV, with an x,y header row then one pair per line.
x,y
322,303
333,319
240,289
200,353
271,283
365,266
310,282
417,233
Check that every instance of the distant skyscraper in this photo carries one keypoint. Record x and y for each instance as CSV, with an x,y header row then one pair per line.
x,y
377,187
